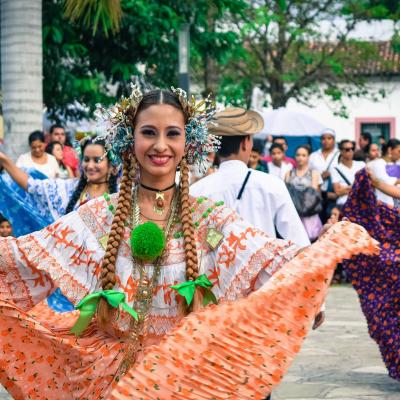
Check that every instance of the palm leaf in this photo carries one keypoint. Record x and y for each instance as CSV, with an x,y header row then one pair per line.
x,y
108,13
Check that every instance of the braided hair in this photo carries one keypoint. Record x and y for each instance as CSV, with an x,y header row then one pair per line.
x,y
112,182
123,209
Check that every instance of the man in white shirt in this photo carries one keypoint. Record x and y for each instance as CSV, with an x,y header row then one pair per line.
x,y
323,160
344,173
259,198
326,157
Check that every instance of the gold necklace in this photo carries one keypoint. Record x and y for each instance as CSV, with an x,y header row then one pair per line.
x,y
145,288
159,206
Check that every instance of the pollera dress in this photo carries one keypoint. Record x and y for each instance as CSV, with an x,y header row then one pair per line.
x,y
377,279
42,359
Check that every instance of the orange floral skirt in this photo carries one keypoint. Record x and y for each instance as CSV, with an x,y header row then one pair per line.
x,y
236,350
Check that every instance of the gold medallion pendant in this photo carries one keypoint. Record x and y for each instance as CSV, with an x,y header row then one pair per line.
x,y
159,200
159,205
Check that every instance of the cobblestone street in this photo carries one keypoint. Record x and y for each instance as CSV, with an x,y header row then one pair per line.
x,y
339,361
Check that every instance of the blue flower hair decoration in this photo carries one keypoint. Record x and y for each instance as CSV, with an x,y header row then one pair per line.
x,y
199,142
116,121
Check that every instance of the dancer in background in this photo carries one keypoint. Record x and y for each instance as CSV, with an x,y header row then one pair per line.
x,y
377,279
44,200
55,197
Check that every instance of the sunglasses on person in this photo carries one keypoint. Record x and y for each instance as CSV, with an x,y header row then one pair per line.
x,y
347,149
96,160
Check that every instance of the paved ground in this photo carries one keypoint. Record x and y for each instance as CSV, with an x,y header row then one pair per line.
x,y
337,362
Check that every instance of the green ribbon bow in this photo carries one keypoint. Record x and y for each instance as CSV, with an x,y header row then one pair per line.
x,y
187,289
88,306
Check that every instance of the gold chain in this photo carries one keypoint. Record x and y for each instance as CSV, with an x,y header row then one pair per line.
x,y
145,289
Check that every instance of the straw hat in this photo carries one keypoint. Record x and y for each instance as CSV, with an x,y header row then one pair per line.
x,y
236,122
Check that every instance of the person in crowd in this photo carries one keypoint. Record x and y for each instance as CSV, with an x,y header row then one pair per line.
x,y
267,145
56,149
281,140
37,158
335,215
386,186
322,160
373,152
382,140
70,158
301,178
60,196
260,198
361,154
255,161
344,172
5,227
339,276
278,166
103,258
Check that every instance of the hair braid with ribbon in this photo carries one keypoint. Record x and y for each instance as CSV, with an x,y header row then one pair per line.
x,y
192,266
116,235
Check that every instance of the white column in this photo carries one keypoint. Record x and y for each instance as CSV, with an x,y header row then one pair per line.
x,y
21,71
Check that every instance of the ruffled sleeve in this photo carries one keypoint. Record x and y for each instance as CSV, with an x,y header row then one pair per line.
x,y
51,195
244,259
65,254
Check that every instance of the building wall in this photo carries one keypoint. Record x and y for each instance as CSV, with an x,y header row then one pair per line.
x,y
387,109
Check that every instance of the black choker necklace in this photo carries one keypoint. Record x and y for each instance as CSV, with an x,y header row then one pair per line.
x,y
96,183
159,206
155,189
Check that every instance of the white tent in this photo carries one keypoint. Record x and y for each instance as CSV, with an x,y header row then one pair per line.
x,y
284,122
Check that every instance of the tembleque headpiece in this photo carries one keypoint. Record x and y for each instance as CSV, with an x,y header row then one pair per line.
x,y
119,137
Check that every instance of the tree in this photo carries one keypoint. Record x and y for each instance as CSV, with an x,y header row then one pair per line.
x,y
21,71
83,61
93,64
288,53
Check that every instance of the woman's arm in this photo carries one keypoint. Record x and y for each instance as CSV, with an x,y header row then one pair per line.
x,y
386,188
19,176
341,190
315,179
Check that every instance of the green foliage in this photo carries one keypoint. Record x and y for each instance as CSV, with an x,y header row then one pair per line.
x,y
236,45
93,67
285,52
94,12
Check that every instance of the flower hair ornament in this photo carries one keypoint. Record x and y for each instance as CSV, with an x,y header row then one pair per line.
x,y
117,122
199,142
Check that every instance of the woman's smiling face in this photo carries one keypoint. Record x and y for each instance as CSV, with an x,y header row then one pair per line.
x,y
159,141
95,163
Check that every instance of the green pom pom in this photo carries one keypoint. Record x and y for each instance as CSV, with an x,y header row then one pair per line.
x,y
147,241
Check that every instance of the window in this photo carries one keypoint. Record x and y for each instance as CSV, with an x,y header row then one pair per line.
x,y
377,127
